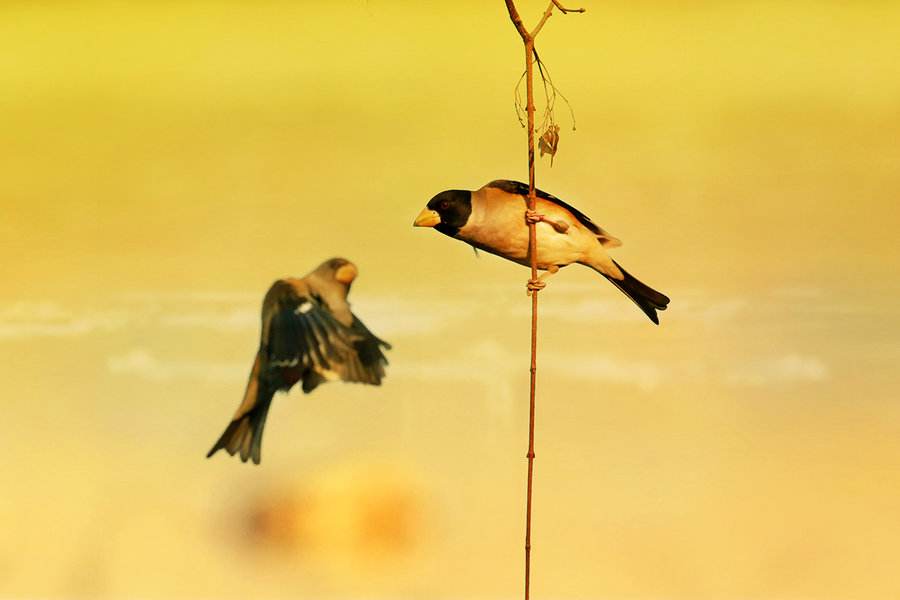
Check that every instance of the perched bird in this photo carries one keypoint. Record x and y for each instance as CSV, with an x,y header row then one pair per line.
x,y
308,335
495,219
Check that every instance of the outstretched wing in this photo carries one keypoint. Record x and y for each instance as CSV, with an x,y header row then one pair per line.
x,y
521,189
302,340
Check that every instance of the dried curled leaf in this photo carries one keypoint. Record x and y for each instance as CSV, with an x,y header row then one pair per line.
x,y
549,142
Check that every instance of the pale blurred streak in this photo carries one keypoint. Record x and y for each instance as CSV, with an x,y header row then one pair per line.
x,y
161,164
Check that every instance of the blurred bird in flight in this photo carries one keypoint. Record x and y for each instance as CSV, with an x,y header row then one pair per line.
x,y
309,336
495,219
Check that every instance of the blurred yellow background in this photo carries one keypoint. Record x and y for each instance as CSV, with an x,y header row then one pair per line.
x,y
161,163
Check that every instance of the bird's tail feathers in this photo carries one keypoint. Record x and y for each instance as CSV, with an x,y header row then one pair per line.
x,y
244,434
647,299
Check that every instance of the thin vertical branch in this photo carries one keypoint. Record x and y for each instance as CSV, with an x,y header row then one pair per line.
x,y
528,41
532,256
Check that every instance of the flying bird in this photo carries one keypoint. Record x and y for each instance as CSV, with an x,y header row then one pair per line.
x,y
309,336
495,219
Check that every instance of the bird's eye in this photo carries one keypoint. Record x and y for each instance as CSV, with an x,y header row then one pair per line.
x,y
445,205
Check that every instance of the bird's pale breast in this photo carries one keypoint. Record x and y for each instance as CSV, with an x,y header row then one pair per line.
x,y
497,225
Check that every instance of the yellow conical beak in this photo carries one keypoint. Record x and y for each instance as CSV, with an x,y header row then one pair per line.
x,y
427,218
346,274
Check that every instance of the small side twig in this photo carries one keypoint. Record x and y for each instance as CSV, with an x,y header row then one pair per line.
x,y
547,14
565,10
516,19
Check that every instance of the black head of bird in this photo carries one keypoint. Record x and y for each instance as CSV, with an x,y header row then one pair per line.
x,y
447,212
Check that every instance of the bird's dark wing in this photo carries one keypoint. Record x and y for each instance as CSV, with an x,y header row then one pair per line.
x,y
302,340
521,189
368,348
